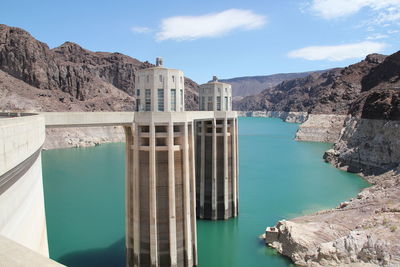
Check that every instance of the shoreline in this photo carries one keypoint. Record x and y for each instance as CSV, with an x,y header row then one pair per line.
x,y
361,231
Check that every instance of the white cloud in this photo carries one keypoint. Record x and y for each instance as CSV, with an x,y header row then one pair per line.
x,y
209,25
338,52
140,29
386,10
377,36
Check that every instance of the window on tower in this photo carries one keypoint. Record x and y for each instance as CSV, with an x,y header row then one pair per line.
x,y
173,99
182,101
160,99
147,100
218,103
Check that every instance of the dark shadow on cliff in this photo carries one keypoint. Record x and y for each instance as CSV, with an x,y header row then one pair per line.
x,y
112,256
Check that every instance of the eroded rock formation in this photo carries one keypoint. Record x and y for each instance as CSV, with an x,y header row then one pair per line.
x,y
34,77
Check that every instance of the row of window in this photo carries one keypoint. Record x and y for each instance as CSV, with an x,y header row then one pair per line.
x,y
209,90
160,99
161,78
209,102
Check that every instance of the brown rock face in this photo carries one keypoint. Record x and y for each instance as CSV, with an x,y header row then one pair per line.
x,y
380,97
331,92
385,75
91,80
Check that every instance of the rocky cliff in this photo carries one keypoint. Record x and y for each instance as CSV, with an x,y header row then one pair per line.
x,y
321,128
34,77
363,231
369,143
367,146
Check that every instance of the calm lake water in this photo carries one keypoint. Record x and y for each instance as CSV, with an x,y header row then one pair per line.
x,y
279,178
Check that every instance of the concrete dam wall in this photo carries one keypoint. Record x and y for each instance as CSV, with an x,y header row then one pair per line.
x,y
22,212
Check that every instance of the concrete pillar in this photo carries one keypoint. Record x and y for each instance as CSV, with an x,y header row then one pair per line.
x,y
235,169
226,170
135,198
171,194
152,198
128,192
132,196
193,194
202,167
214,171
186,196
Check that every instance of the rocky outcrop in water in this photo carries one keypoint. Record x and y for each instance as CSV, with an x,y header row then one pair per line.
x,y
321,128
293,117
363,231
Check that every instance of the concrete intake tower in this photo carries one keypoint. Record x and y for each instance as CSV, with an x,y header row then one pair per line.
x,y
176,162
217,169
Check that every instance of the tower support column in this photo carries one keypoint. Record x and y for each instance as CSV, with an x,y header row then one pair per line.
x,y
214,172
152,197
171,194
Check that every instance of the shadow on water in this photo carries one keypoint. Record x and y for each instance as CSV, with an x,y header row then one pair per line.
x,y
112,256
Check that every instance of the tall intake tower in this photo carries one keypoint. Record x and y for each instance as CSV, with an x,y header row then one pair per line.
x,y
217,154
160,174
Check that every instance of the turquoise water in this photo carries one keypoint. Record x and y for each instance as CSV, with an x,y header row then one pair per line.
x,y
279,178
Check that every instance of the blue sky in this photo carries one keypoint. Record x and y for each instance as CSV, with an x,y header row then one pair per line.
x,y
227,38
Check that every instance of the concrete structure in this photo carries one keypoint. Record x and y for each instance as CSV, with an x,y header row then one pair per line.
x,y
160,89
217,144
271,235
22,213
215,95
164,147
161,218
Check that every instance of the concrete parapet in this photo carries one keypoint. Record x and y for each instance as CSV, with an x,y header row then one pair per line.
x,y
87,119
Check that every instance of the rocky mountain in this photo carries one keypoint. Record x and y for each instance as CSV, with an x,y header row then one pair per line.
x,y
380,93
331,92
69,76
252,85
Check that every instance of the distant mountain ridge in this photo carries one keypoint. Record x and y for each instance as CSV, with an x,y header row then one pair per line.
x,y
367,89
252,85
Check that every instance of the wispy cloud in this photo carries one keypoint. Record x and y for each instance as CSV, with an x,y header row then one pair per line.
x,y
210,25
377,36
338,52
384,10
140,29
